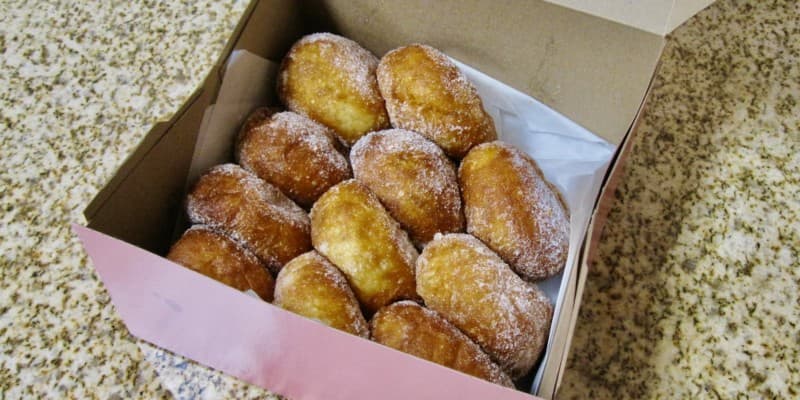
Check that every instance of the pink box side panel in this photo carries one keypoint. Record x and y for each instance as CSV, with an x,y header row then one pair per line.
x,y
196,317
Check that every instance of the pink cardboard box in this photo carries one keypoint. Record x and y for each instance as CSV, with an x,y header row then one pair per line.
x,y
591,62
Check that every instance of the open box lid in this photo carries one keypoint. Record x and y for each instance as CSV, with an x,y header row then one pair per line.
x,y
656,16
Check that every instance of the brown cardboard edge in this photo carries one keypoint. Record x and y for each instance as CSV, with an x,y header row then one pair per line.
x,y
594,229
614,175
599,217
674,23
230,45
129,164
160,128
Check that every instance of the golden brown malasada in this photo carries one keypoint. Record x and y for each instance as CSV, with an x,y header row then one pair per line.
x,y
350,227
510,206
294,153
255,118
331,79
311,286
218,257
414,180
425,92
252,212
416,330
474,289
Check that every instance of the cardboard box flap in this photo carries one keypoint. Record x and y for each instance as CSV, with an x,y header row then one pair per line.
x,y
683,10
260,343
592,70
656,16
552,381
272,27
146,193
161,161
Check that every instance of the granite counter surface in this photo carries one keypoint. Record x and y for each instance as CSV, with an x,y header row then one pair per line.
x,y
695,290
694,294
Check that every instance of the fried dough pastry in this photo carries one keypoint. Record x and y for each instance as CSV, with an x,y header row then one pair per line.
x,y
468,284
294,153
214,255
414,180
331,79
256,118
421,332
512,208
252,212
426,93
351,228
311,286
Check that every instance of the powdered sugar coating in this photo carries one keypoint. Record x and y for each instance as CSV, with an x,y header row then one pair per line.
x,y
422,332
512,208
255,118
414,180
426,93
311,286
331,79
252,212
349,57
294,153
466,282
211,253
350,227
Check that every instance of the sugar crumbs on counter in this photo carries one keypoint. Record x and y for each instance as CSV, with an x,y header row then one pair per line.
x,y
695,293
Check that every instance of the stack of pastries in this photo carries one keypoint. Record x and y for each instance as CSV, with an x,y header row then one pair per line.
x,y
380,203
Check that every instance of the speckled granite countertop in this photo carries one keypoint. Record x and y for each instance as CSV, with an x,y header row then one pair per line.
x,y
695,293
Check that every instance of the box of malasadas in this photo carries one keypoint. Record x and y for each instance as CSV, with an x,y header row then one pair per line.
x,y
383,199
